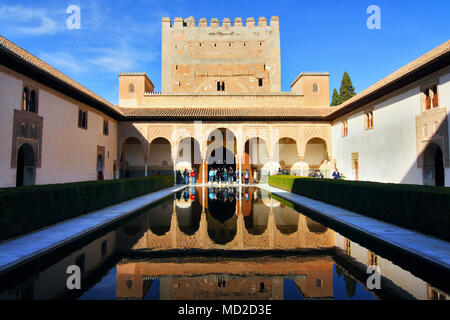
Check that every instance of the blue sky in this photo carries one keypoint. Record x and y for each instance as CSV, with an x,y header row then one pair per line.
x,y
125,36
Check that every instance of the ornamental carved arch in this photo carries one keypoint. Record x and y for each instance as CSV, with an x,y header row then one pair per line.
x,y
127,130
309,133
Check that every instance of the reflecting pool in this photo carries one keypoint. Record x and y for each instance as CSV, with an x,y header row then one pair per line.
x,y
218,243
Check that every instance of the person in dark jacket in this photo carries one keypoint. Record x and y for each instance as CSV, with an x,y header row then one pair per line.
x,y
336,174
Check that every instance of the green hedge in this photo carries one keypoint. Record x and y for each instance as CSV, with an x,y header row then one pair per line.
x,y
26,209
422,208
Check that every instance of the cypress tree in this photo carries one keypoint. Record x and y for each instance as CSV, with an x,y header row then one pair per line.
x,y
347,89
336,100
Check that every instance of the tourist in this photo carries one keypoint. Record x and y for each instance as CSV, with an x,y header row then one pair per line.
x,y
255,176
186,176
192,176
217,171
280,172
336,174
225,175
247,176
211,175
100,176
318,174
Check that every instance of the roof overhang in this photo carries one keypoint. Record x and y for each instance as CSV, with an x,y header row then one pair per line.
x,y
17,64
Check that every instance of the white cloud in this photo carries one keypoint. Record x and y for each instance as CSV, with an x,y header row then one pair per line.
x,y
122,58
28,21
63,61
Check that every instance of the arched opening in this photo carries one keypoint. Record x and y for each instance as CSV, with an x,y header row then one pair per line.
x,y
160,218
25,99
315,227
221,158
286,219
100,166
221,151
316,155
433,169
221,218
189,211
255,157
189,158
256,220
315,88
26,166
287,154
132,161
439,168
160,159
33,101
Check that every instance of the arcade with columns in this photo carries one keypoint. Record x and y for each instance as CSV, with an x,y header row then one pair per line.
x,y
152,148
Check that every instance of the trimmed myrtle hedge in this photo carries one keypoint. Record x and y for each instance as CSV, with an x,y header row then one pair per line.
x,y
26,209
422,208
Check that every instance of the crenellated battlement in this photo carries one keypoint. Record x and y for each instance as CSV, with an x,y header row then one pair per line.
x,y
190,22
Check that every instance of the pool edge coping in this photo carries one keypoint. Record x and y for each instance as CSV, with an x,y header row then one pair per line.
x,y
355,227
5,268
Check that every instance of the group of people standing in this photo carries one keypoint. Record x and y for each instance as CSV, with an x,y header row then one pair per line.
x,y
189,176
224,175
221,175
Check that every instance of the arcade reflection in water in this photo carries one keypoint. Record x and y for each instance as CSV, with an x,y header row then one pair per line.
x,y
143,258
227,218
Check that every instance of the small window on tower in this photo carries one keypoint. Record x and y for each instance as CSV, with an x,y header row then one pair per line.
x,y
131,88
315,88
260,82
220,86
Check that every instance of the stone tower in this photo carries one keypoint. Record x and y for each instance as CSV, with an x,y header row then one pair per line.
x,y
226,58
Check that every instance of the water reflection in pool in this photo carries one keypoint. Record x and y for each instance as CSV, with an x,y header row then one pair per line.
x,y
201,244
227,218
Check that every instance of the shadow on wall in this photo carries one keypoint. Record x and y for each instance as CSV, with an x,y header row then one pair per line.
x,y
433,145
136,156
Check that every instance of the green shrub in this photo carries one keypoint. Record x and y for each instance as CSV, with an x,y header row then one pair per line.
x,y
422,208
29,208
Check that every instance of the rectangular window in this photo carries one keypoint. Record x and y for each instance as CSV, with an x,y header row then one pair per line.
x,y
368,120
220,86
82,119
344,128
105,127
430,97
260,82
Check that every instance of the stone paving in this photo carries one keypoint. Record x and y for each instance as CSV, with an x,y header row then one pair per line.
x,y
23,248
428,247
